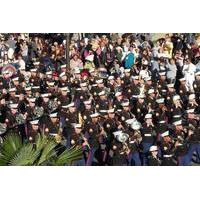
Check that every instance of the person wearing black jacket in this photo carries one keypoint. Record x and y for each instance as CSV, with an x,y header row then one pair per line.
x,y
153,159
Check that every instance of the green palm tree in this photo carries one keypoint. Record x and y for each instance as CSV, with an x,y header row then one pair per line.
x,y
44,152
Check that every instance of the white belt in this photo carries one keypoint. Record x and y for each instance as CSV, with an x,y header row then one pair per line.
x,y
147,134
167,156
53,134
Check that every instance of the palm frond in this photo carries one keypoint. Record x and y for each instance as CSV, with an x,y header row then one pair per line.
x,y
25,157
68,156
11,144
47,151
44,152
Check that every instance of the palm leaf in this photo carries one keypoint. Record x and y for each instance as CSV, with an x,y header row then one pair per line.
x,y
11,144
47,151
68,156
25,157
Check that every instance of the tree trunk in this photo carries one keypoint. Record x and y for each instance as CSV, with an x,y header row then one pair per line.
x,y
67,49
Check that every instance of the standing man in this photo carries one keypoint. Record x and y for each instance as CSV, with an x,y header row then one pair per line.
x,y
189,70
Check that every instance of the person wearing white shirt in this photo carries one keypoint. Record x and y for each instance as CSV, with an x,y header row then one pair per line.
x,y
189,70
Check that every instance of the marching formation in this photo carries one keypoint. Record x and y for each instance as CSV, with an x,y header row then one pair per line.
x,y
126,99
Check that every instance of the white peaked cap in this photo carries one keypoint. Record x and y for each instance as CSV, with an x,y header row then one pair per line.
x,y
94,115
176,97
148,116
51,83
14,105
53,115
197,73
176,123
118,94
190,111
170,85
77,126
161,100
35,87
111,77
34,122
87,102
49,72
191,96
102,93
28,88
150,91
83,84
111,110
99,81
70,105
63,66
62,74
153,148
162,73
127,70
125,103
32,100
182,79
141,96
45,95
33,70
12,89
36,63
15,79
166,133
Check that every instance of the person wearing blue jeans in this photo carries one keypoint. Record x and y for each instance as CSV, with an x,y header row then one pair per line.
x,y
134,159
91,156
145,154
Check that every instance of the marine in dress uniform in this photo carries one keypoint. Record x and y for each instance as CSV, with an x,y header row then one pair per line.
x,y
92,134
162,83
151,100
126,113
167,148
87,112
64,97
117,103
196,86
78,139
183,91
34,130
69,116
118,153
140,109
148,136
134,89
133,147
153,159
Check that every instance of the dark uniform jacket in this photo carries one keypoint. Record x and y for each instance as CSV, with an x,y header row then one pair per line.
x,y
152,161
148,134
167,149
